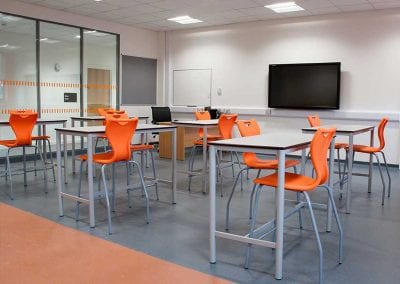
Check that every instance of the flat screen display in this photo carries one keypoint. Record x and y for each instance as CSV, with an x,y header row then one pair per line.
x,y
304,85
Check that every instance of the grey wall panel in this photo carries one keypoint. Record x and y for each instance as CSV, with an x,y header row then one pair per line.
x,y
139,81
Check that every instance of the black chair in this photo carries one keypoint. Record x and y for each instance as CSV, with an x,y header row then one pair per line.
x,y
161,114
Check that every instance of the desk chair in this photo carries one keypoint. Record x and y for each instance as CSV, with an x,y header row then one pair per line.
x,y
43,139
225,125
136,148
22,124
119,132
104,112
304,184
251,128
366,149
315,121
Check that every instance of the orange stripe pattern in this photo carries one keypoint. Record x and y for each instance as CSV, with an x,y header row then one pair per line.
x,y
17,83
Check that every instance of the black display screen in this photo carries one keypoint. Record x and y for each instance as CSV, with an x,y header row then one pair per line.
x,y
304,86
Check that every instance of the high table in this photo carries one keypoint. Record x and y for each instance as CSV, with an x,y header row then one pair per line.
x,y
92,119
91,132
350,131
42,122
205,125
279,144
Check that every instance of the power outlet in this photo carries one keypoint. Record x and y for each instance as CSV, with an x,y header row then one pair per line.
x,y
219,91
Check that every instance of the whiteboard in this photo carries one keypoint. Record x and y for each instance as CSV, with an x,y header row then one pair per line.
x,y
192,87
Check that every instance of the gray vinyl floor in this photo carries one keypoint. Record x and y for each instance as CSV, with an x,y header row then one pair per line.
x,y
179,233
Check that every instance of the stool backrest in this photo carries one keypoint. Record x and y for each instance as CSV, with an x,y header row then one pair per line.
x,y
381,132
103,111
22,123
319,149
314,120
119,133
248,128
225,125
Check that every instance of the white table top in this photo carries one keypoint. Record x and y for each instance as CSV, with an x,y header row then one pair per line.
x,y
277,141
342,128
39,121
196,122
99,118
101,128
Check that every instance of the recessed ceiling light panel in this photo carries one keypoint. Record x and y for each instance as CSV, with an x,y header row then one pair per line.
x,y
284,7
184,20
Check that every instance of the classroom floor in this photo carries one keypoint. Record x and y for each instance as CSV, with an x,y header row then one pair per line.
x,y
179,233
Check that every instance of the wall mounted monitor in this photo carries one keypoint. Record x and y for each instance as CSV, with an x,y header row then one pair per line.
x,y
304,85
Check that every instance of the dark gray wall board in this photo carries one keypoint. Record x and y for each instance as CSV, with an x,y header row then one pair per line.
x,y
139,81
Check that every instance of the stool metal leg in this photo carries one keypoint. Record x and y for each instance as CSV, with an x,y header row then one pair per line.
x,y
314,224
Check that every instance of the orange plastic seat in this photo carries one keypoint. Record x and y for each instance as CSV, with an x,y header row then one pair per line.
x,y
225,126
303,184
119,132
204,115
366,149
315,121
22,124
251,128
103,111
110,113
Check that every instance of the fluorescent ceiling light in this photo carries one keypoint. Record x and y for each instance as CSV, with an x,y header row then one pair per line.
x,y
94,33
184,20
77,36
48,40
284,7
8,18
9,46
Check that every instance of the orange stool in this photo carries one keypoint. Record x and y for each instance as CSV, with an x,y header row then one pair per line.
x,y
366,149
304,184
119,133
22,124
251,128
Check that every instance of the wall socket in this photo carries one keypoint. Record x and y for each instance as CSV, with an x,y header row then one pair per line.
x,y
219,91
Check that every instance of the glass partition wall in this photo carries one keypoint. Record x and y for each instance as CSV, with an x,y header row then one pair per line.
x,y
99,71
18,72
58,70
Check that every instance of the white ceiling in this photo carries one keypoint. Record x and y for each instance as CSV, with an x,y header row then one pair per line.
x,y
153,14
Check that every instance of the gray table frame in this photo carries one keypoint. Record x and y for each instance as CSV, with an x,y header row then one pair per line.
x,y
91,132
204,124
350,131
277,143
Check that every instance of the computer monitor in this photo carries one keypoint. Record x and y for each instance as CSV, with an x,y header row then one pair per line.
x,y
161,114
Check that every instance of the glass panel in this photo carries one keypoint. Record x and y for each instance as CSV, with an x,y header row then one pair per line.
x,y
17,65
59,71
99,71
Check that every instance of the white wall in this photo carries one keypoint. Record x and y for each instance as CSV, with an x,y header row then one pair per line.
x,y
367,44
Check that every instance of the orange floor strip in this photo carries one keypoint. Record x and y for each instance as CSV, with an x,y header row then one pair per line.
x,y
36,250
